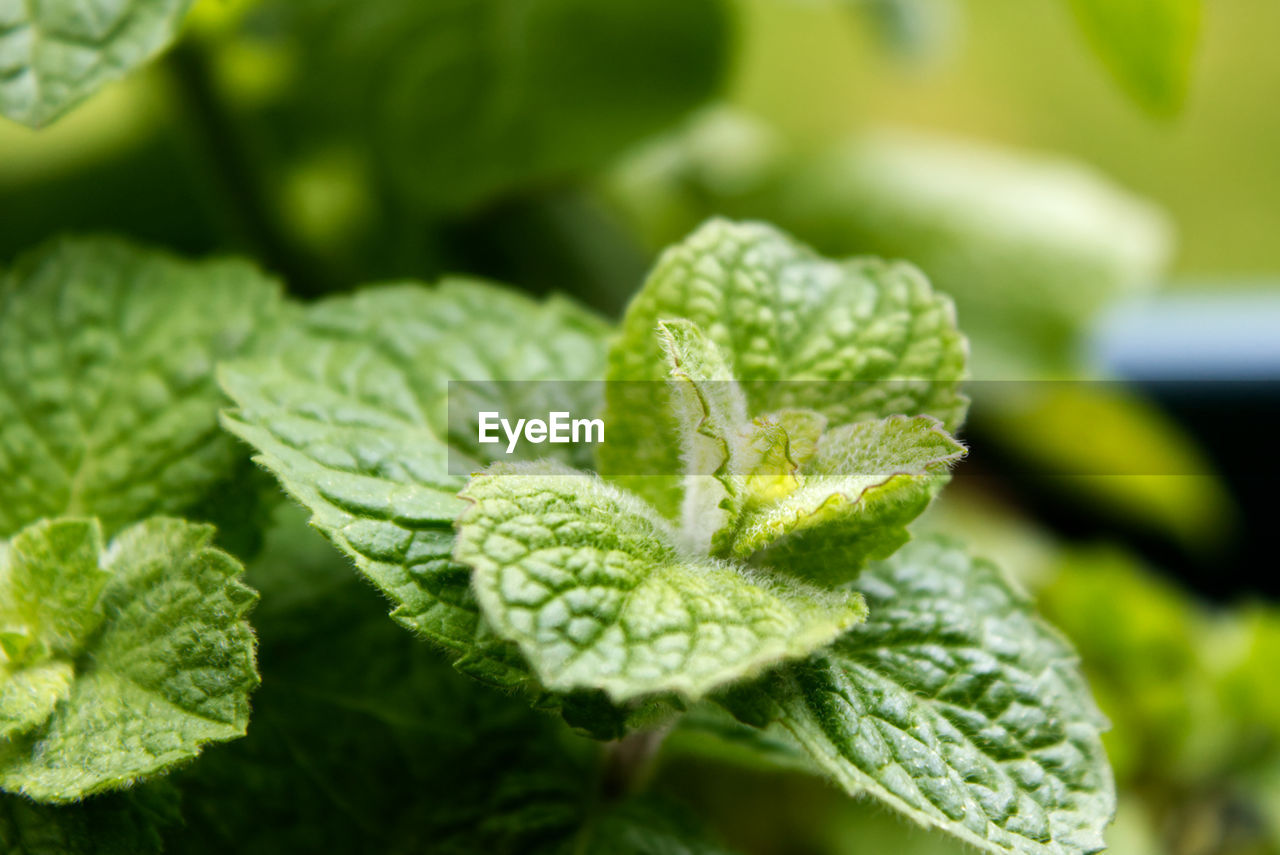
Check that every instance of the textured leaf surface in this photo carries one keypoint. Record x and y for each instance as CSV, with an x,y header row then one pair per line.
x,y
955,705
463,100
779,312
587,580
1147,45
55,54
163,659
108,406
864,483
352,417
715,434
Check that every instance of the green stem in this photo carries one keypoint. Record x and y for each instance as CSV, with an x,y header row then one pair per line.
x,y
629,762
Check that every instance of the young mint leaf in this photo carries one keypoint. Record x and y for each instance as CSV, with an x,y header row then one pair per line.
x,y
29,694
953,704
54,55
350,414
1147,45
715,433
108,405
163,659
50,590
865,482
779,313
588,581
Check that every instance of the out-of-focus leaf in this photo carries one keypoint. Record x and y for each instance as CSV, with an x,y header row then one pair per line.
x,y
458,101
1029,248
1148,45
1101,441
55,54
108,405
717,162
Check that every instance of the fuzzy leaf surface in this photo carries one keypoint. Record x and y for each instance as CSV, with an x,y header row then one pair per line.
x,y
954,705
865,482
108,405
798,331
351,416
161,656
588,581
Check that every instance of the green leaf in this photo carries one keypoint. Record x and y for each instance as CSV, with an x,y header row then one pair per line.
x,y
588,581
163,659
461,101
1148,45
49,592
108,405
715,433
865,482
798,331
955,705
350,414
28,695
55,54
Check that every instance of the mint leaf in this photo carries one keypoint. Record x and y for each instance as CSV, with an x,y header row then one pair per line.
x,y
463,101
29,694
780,314
152,627
588,581
864,483
350,414
955,705
108,405
715,433
1147,45
54,55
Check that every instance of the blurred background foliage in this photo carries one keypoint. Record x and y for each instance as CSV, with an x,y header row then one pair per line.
x,y
1040,159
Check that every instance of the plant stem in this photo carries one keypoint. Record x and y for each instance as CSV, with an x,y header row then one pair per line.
x,y
629,761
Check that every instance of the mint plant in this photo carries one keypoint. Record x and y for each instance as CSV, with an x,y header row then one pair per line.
x,y
759,587
760,575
